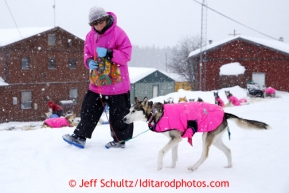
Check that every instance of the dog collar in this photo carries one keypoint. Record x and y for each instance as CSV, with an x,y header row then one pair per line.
x,y
151,118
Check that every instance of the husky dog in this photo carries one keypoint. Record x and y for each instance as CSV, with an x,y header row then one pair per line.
x,y
68,120
218,100
233,101
200,99
155,113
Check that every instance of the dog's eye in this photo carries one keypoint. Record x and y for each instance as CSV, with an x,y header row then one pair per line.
x,y
133,111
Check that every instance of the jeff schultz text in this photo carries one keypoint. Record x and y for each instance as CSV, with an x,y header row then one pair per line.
x,y
149,183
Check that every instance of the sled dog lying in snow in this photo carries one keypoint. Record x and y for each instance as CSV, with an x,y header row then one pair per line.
x,y
183,120
67,121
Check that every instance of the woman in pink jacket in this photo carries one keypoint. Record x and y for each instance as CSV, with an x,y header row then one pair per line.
x,y
107,50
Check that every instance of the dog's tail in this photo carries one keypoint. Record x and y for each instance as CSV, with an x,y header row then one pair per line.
x,y
246,123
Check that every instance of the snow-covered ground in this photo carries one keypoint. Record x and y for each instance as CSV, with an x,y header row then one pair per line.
x,y
38,160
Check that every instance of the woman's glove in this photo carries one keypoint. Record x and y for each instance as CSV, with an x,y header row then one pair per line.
x,y
92,64
101,52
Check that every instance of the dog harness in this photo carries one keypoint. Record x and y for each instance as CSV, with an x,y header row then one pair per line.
x,y
189,118
57,122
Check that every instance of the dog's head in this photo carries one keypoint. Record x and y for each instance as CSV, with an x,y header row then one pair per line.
x,y
216,95
169,101
183,99
228,94
70,118
140,111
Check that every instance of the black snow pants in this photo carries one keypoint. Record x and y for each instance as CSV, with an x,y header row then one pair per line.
x,y
92,109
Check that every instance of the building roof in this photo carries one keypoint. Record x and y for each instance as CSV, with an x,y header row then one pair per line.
x,y
138,73
277,45
176,77
9,36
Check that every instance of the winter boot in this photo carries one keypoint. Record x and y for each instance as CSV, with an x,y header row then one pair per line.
x,y
114,144
75,140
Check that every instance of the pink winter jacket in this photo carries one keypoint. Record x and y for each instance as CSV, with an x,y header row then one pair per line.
x,y
114,39
176,116
57,122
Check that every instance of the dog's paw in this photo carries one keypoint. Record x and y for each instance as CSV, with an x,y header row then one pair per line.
x,y
229,166
160,166
192,168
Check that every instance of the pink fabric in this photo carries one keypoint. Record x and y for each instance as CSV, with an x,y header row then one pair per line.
x,y
57,122
235,101
176,116
114,39
270,90
221,102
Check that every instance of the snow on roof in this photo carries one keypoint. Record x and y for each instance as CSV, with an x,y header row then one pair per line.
x,y
232,69
12,35
278,45
2,83
137,73
175,76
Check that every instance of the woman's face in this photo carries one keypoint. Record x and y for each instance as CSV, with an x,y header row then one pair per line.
x,y
100,25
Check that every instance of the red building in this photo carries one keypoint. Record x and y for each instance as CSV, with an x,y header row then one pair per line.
x,y
40,65
266,62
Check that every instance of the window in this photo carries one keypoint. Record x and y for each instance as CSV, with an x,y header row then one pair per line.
x,y
51,39
25,63
51,63
73,93
26,100
72,63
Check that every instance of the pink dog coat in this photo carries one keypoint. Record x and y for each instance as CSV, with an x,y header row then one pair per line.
x,y
270,90
235,101
207,117
221,102
57,122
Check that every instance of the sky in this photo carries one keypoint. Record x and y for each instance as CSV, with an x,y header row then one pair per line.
x,y
159,23
38,160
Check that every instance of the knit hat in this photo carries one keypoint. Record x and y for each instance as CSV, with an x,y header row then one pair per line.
x,y
96,13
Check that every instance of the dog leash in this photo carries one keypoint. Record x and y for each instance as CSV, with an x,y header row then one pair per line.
x,y
135,136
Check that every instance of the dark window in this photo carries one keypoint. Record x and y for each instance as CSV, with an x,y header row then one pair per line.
x,y
72,63
51,39
25,63
26,100
51,63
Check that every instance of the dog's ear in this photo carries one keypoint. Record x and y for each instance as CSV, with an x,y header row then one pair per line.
x,y
136,100
145,102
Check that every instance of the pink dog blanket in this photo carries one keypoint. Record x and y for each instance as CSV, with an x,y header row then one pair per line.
x,y
57,122
235,101
270,90
206,116
220,101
